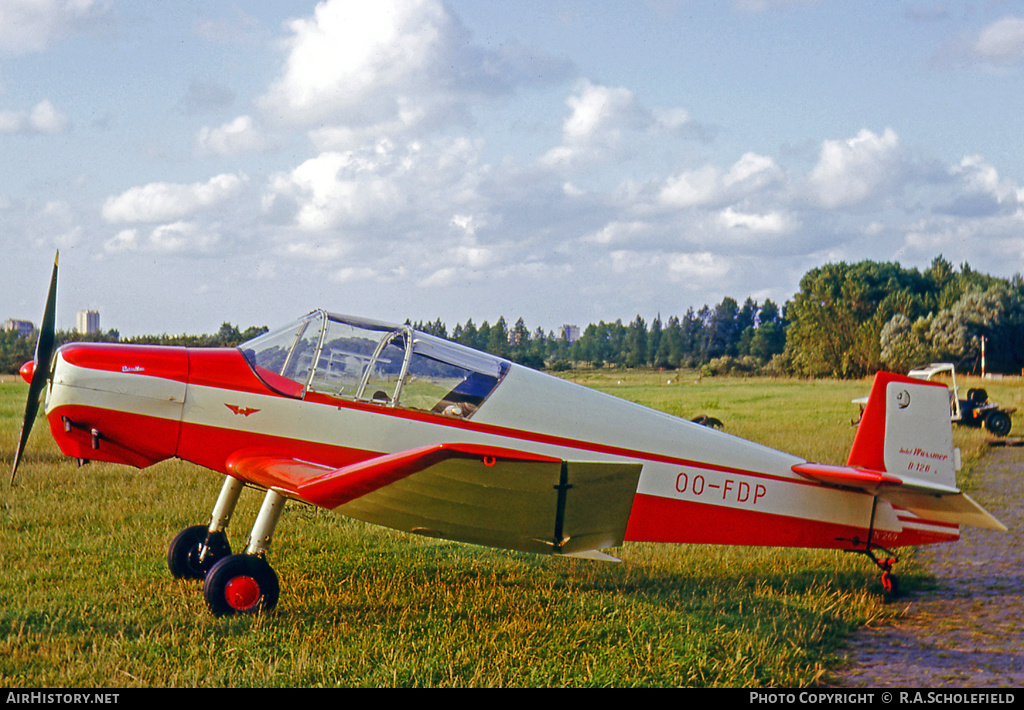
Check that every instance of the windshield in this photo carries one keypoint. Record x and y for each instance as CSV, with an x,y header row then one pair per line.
x,y
349,358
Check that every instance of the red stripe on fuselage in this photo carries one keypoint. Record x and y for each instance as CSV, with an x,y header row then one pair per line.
x,y
657,519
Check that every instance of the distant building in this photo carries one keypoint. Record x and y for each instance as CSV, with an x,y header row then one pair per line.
x,y
24,328
569,333
87,322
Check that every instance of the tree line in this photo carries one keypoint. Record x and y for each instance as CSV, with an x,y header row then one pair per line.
x,y
846,321
730,336
16,350
850,320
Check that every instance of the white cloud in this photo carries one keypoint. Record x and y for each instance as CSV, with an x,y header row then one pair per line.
x,y
347,52
752,170
1002,41
672,119
698,268
180,237
325,251
125,240
770,222
386,188
708,185
980,176
595,108
334,189
174,238
850,171
32,25
475,257
43,118
694,269
233,138
441,278
692,187
161,201
617,233
351,273
600,115
393,65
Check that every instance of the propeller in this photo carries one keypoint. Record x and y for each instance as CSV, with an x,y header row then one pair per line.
x,y
39,367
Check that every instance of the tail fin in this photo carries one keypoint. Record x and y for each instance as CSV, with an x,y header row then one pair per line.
x,y
906,433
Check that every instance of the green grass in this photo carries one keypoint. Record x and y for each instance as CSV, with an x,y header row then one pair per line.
x,y
86,599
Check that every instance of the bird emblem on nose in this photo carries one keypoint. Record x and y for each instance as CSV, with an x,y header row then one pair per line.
x,y
244,411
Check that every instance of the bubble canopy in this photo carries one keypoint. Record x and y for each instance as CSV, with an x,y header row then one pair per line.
x,y
351,358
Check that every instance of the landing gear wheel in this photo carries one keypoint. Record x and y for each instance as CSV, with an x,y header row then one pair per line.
x,y
998,423
890,583
241,584
185,556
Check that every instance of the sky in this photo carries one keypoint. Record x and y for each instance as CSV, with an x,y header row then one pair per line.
x,y
563,161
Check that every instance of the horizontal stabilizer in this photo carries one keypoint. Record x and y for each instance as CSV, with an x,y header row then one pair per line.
x,y
959,509
931,501
847,476
468,492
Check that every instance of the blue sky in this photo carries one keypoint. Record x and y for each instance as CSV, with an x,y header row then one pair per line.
x,y
562,161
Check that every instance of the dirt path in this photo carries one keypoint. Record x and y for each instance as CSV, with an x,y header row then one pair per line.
x,y
969,631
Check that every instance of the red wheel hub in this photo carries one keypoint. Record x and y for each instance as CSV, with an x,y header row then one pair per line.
x,y
242,593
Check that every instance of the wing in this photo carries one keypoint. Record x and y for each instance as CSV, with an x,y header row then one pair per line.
x,y
466,492
932,501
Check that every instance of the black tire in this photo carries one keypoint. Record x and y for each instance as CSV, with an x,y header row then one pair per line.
x,y
241,584
998,422
183,554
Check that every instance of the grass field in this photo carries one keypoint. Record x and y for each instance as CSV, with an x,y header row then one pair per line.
x,y
86,599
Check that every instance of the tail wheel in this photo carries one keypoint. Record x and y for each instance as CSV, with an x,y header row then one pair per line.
x,y
185,556
241,584
890,584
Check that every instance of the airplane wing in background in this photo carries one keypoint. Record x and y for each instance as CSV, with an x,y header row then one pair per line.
x,y
467,492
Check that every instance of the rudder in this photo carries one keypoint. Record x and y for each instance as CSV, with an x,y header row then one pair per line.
x,y
906,431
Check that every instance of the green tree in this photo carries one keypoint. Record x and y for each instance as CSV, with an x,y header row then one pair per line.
x,y
636,343
836,319
903,346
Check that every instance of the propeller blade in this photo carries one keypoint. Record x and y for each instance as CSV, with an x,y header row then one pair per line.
x,y
41,367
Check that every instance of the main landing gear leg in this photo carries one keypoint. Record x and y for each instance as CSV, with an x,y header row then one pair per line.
x,y
196,549
246,583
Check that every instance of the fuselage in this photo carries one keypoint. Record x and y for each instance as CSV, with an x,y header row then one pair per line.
x,y
142,404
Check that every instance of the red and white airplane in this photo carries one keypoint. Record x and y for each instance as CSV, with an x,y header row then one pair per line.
x,y
402,429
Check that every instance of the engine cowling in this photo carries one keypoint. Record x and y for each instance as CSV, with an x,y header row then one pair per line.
x,y
119,403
